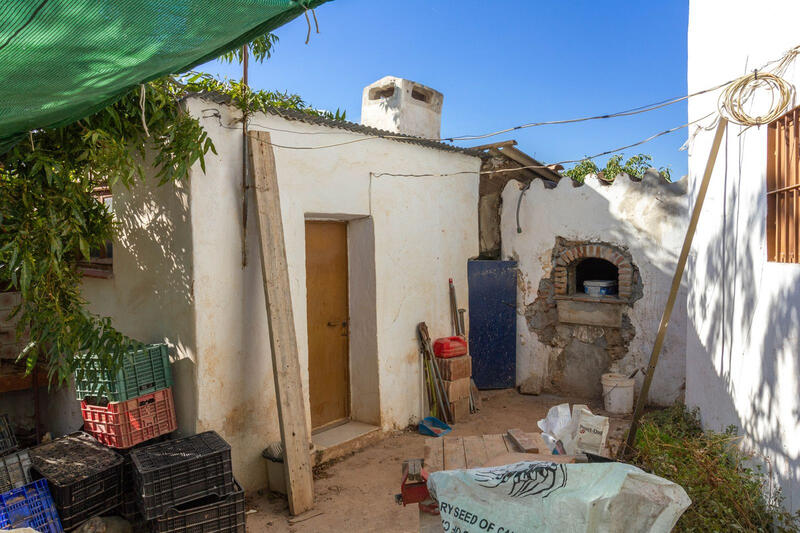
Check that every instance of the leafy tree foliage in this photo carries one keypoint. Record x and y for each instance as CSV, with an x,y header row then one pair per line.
x,y
49,219
261,48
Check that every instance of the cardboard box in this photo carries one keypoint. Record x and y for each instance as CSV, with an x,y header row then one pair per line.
x,y
460,410
457,389
455,367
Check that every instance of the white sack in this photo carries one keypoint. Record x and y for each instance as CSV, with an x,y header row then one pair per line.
x,y
542,496
590,433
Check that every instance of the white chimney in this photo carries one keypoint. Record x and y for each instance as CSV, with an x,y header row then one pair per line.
x,y
402,106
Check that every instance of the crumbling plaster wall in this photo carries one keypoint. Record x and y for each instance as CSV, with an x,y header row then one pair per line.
x,y
645,222
491,188
416,233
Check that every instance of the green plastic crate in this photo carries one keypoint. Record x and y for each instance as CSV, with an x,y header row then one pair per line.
x,y
143,371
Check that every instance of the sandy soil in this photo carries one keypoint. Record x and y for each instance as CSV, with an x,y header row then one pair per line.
x,y
356,493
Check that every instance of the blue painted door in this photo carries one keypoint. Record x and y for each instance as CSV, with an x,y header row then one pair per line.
x,y
493,323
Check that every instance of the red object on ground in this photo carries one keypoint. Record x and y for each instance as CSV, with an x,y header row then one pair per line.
x,y
450,347
416,490
126,424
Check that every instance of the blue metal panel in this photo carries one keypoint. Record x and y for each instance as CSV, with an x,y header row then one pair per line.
x,y
493,323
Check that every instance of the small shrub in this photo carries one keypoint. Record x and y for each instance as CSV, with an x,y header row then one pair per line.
x,y
727,492
635,167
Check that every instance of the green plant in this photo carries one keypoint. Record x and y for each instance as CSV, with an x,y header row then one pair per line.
x,y
635,167
582,169
727,493
253,100
49,219
261,48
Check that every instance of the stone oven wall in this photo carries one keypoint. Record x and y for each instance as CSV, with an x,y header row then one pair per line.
x,y
567,339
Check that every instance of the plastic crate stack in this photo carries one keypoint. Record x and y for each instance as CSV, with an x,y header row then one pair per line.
x,y
132,406
8,441
23,502
85,477
187,485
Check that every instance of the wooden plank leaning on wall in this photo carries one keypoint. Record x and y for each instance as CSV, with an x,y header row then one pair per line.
x,y
283,341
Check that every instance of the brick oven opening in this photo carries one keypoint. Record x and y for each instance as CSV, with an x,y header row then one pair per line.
x,y
595,269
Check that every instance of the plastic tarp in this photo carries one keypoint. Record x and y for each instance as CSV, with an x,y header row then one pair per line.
x,y
537,496
61,60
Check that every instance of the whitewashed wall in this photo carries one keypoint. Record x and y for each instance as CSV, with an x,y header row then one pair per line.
x,y
648,218
744,313
150,296
422,230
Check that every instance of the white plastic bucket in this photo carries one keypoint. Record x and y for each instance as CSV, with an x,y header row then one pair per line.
x,y
617,393
599,287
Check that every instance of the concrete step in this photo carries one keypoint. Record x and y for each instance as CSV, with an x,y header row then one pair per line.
x,y
343,440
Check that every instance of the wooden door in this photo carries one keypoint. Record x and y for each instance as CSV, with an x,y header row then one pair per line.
x,y
328,316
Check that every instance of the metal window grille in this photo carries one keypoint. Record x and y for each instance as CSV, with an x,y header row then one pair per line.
x,y
783,188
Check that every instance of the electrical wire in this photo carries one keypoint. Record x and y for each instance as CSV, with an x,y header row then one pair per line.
x,y
780,66
566,161
732,102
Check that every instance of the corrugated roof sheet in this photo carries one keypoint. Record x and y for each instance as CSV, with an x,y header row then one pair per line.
x,y
298,116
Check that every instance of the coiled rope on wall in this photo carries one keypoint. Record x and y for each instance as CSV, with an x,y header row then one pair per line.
x,y
738,98
736,101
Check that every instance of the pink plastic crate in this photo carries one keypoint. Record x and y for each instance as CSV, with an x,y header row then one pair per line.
x,y
126,424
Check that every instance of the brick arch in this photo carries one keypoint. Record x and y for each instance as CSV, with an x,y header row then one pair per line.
x,y
569,256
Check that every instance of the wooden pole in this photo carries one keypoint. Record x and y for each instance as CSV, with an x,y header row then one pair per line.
x,y
282,339
245,103
676,285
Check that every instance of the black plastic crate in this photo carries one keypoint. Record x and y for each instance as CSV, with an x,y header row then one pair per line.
x,y
8,441
15,470
85,477
129,510
212,514
179,471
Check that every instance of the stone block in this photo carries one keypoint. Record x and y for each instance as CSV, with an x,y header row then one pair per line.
x,y
455,367
590,313
459,409
457,389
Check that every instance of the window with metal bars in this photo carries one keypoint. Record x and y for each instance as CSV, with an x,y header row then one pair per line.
x,y
783,188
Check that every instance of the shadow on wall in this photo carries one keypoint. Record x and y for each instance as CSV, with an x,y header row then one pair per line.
x,y
738,315
150,296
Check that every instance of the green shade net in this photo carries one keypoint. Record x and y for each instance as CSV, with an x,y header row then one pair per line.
x,y
61,60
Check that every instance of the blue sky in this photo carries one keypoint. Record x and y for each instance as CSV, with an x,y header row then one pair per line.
x,y
499,64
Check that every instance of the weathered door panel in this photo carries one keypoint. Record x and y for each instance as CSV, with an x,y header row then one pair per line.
x,y
327,314
493,323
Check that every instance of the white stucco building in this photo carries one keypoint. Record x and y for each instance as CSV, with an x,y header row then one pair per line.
x,y
178,274
628,232
742,357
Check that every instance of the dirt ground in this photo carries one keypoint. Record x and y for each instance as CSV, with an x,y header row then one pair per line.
x,y
356,493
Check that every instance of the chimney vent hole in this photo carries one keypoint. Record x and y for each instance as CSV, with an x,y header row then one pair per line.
x,y
387,91
417,93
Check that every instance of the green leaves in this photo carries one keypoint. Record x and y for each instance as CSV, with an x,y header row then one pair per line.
x,y
260,48
51,220
250,100
727,493
635,167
